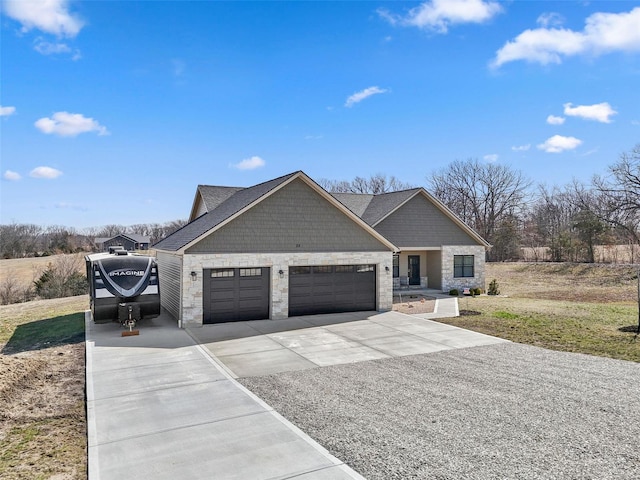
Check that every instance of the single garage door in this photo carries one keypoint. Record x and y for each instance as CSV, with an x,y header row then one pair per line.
x,y
235,294
331,289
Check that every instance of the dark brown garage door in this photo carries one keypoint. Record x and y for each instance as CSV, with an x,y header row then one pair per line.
x,y
331,289
235,294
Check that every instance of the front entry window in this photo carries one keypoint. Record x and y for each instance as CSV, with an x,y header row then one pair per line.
x,y
414,270
462,266
396,266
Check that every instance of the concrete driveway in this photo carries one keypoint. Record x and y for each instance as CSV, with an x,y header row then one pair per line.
x,y
265,347
159,408
165,404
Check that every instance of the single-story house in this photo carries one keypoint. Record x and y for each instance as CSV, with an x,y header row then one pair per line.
x,y
288,247
128,241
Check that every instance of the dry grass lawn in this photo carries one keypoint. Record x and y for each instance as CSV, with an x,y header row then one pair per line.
x,y
27,270
42,385
570,307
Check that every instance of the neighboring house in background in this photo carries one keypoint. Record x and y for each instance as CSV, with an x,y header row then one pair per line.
x,y
287,247
129,241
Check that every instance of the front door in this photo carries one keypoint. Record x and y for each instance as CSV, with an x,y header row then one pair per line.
x,y
414,269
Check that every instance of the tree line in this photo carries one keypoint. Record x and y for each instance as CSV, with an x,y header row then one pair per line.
x,y
19,240
575,222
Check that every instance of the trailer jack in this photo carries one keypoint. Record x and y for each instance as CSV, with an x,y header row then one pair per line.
x,y
129,320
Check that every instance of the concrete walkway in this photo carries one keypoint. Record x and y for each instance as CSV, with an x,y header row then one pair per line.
x,y
265,347
159,408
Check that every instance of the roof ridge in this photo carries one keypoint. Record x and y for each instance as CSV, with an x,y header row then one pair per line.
x,y
251,186
398,191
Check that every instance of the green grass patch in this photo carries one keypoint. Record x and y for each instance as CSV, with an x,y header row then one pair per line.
x,y
35,335
592,328
505,315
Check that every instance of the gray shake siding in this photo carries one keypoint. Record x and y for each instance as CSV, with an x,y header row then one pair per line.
x,y
420,223
170,273
293,219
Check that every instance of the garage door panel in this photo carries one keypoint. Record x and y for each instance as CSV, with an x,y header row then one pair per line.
x,y
241,294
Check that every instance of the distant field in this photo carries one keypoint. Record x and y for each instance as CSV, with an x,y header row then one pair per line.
x,y
26,270
602,254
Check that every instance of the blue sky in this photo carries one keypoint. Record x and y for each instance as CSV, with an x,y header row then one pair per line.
x,y
113,111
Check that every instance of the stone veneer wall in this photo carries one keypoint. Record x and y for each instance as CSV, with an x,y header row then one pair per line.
x,y
478,280
192,309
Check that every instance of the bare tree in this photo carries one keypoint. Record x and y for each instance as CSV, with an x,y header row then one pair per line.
x,y
375,184
620,193
483,195
111,230
19,239
63,278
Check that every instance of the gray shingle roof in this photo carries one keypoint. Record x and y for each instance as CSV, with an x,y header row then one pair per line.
x,y
224,202
212,196
383,204
233,204
373,208
131,236
356,202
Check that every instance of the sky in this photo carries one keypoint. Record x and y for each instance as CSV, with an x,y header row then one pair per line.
x,y
112,112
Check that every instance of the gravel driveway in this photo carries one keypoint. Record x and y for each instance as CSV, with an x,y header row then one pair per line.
x,y
499,411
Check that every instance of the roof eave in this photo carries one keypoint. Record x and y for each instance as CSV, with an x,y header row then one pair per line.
x,y
197,196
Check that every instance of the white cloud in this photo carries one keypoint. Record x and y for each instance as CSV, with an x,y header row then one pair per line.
x,y
550,19
590,152
45,172
635,122
48,48
558,143
11,175
553,120
438,15
69,125
521,148
491,157
361,95
600,112
603,33
7,111
50,16
71,206
249,163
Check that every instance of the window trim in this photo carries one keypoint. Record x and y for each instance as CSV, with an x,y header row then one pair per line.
x,y
396,266
463,266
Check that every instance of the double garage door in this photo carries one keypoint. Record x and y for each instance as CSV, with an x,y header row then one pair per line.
x,y
331,289
237,294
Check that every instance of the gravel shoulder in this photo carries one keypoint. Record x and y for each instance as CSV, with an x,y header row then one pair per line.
x,y
499,411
